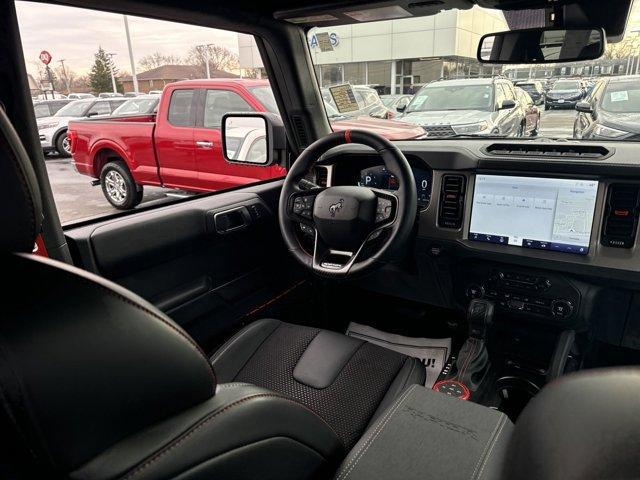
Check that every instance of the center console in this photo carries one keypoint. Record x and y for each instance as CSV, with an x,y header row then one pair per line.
x,y
426,434
527,294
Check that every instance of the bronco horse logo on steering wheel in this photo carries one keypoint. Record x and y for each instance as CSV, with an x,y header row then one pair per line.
x,y
336,207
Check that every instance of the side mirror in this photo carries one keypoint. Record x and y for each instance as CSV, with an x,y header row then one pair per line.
x,y
584,107
401,108
542,45
92,114
253,138
507,104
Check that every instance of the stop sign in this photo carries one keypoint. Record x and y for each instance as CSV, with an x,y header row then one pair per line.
x,y
45,57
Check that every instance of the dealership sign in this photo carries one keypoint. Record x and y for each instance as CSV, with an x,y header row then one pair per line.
x,y
324,40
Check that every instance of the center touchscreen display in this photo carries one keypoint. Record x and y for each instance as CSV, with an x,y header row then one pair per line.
x,y
544,213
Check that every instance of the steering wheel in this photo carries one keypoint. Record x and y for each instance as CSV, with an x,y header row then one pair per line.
x,y
346,218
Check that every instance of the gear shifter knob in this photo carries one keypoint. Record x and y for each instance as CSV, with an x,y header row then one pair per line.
x,y
480,317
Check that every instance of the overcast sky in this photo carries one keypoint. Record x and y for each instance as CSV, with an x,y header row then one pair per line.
x,y
74,34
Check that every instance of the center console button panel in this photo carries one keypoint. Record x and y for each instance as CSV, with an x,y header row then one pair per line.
x,y
549,297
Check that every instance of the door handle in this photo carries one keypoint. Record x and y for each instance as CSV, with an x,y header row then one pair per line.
x,y
204,144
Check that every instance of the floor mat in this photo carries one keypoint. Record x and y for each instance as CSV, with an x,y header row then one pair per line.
x,y
432,351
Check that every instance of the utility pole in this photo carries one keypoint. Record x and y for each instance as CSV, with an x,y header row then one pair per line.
x,y
113,77
133,63
64,75
206,56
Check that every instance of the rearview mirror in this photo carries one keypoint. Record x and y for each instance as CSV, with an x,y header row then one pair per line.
x,y
542,45
253,138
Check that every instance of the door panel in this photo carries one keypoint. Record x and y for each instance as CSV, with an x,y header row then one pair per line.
x,y
177,259
173,138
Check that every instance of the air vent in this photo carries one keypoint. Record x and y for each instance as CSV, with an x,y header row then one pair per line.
x,y
451,201
621,215
300,130
322,174
583,152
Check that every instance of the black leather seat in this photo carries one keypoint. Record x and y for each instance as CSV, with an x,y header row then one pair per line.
x,y
346,381
96,383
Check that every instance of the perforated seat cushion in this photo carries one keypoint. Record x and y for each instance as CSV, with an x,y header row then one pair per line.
x,y
347,405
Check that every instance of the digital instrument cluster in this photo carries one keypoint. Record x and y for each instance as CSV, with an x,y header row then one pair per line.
x,y
380,177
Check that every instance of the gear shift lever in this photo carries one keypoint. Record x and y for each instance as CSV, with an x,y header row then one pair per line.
x,y
480,317
473,359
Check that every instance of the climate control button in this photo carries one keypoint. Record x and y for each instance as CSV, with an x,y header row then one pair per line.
x,y
561,308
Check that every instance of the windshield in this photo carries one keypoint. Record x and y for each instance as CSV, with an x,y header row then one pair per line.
x,y
137,106
621,97
363,69
265,95
454,97
528,87
565,85
74,109
389,101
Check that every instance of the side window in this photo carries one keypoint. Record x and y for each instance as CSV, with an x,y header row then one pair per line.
x,y
191,75
181,108
219,102
115,104
41,110
99,108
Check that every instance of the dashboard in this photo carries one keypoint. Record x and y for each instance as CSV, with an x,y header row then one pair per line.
x,y
547,230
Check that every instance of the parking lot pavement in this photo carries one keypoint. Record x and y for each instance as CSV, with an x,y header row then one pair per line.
x,y
77,199
557,123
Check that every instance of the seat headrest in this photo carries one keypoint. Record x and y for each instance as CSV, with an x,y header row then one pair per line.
x,y
21,206
84,363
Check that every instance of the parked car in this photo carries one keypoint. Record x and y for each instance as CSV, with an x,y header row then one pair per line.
x,y
534,88
46,108
565,93
478,106
80,96
180,146
109,95
132,94
530,112
396,102
140,105
53,129
389,129
369,102
611,111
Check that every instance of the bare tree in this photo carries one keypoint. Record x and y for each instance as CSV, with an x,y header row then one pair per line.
x,y
220,58
623,49
158,59
251,73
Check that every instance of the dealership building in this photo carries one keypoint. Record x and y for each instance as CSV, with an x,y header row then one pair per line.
x,y
396,56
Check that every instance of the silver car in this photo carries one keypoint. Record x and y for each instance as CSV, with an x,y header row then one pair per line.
x,y
53,129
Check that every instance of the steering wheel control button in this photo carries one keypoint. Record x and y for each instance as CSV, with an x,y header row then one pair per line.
x,y
453,388
561,308
384,209
303,206
475,291
307,230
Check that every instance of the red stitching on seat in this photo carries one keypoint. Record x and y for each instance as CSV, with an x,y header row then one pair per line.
x,y
206,420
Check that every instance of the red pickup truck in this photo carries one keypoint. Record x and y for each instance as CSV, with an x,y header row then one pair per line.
x,y
180,145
